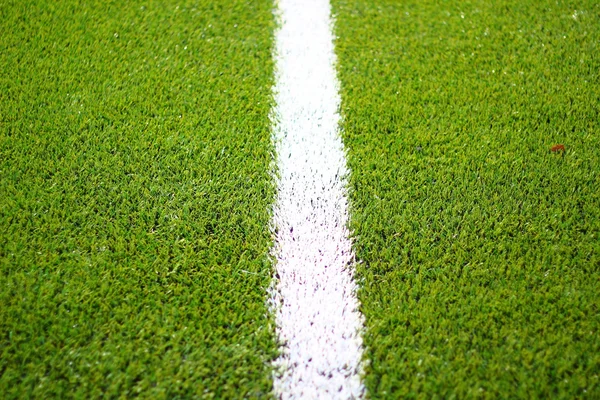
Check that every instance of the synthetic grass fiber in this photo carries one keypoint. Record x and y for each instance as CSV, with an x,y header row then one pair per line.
x,y
134,160
480,246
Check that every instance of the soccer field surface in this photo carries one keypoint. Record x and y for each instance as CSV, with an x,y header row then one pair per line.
x,y
136,189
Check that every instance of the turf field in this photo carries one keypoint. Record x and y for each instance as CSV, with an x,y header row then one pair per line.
x,y
480,246
135,196
135,188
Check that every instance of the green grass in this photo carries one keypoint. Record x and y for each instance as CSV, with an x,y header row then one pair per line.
x,y
134,196
480,247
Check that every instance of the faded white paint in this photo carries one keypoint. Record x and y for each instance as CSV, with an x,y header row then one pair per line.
x,y
314,298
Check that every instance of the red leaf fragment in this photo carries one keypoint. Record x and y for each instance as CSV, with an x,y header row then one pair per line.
x,y
558,147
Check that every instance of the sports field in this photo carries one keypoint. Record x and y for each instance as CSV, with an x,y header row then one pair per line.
x,y
480,246
135,150
136,195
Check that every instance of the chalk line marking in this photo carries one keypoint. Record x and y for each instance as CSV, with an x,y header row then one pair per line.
x,y
314,295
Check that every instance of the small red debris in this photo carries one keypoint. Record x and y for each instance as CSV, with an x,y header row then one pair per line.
x,y
558,147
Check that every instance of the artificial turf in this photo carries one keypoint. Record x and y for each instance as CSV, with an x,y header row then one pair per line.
x,y
480,247
134,194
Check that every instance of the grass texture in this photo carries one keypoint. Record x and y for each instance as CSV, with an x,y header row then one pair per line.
x,y
480,247
134,162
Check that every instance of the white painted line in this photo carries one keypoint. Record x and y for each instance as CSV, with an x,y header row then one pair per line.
x,y
314,298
